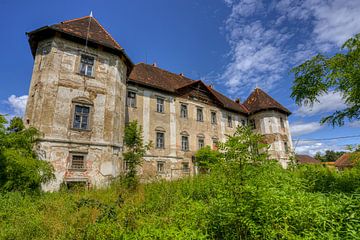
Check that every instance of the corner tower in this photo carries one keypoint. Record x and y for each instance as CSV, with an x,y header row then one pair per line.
x,y
270,118
77,100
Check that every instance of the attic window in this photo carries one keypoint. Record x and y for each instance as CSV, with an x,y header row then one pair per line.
x,y
86,65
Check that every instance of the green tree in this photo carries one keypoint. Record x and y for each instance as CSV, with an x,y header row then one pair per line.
x,y
339,73
242,148
20,169
135,150
206,158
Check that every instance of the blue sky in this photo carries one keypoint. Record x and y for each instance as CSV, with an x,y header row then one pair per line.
x,y
233,44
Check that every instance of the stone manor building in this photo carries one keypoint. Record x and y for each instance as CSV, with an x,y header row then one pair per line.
x,y
84,88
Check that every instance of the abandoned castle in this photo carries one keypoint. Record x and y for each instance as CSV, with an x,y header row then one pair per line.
x,y
84,88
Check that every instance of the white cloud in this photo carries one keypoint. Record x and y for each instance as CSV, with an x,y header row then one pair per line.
x,y
312,147
268,38
355,124
299,128
329,102
18,104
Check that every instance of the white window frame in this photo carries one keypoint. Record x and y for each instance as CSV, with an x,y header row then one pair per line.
x,y
160,145
81,116
199,117
184,114
160,167
213,117
86,68
160,104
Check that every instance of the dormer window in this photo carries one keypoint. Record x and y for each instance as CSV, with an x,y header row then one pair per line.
x,y
87,65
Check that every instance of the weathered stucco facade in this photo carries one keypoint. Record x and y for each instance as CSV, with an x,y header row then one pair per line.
x,y
84,89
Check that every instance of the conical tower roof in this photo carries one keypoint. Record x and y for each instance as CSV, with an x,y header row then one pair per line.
x,y
259,101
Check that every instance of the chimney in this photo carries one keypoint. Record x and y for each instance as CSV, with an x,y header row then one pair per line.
x,y
154,64
181,74
210,86
237,100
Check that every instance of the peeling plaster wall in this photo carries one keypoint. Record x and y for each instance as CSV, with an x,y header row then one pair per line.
x,y
55,83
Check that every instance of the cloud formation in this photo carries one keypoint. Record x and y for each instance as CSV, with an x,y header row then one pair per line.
x,y
18,104
312,147
329,102
300,128
268,38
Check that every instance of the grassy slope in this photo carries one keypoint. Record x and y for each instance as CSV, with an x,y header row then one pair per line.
x,y
309,203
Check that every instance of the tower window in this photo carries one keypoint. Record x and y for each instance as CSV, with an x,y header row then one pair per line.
x,y
160,105
199,115
286,147
81,117
86,65
131,99
185,167
77,161
160,167
213,118
183,111
282,124
159,140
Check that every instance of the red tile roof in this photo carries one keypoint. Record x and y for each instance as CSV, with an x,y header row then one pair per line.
x,y
158,78
259,100
87,28
306,159
344,161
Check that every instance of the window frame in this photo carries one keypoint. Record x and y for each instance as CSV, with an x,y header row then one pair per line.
x,y
162,168
77,154
160,107
185,169
128,103
186,111
186,149
85,73
213,116
81,115
282,123
286,147
229,121
199,110
163,139
203,142
252,124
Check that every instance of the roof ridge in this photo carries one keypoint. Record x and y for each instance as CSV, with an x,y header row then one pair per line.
x,y
164,70
117,44
75,19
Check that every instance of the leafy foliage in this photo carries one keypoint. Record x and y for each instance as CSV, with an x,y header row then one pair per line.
x,y
20,170
206,158
135,151
340,73
329,156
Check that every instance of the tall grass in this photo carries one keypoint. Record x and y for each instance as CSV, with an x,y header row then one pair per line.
x,y
272,203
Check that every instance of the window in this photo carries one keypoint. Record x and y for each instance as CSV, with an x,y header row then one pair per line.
x,y
184,143
86,65
126,166
160,167
243,122
159,140
282,124
183,111
199,115
77,161
215,144
229,121
160,105
185,167
81,117
252,124
131,99
201,142
213,118
286,147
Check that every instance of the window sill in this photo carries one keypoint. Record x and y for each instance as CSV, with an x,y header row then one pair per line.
x,y
77,169
80,130
160,112
84,75
200,121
